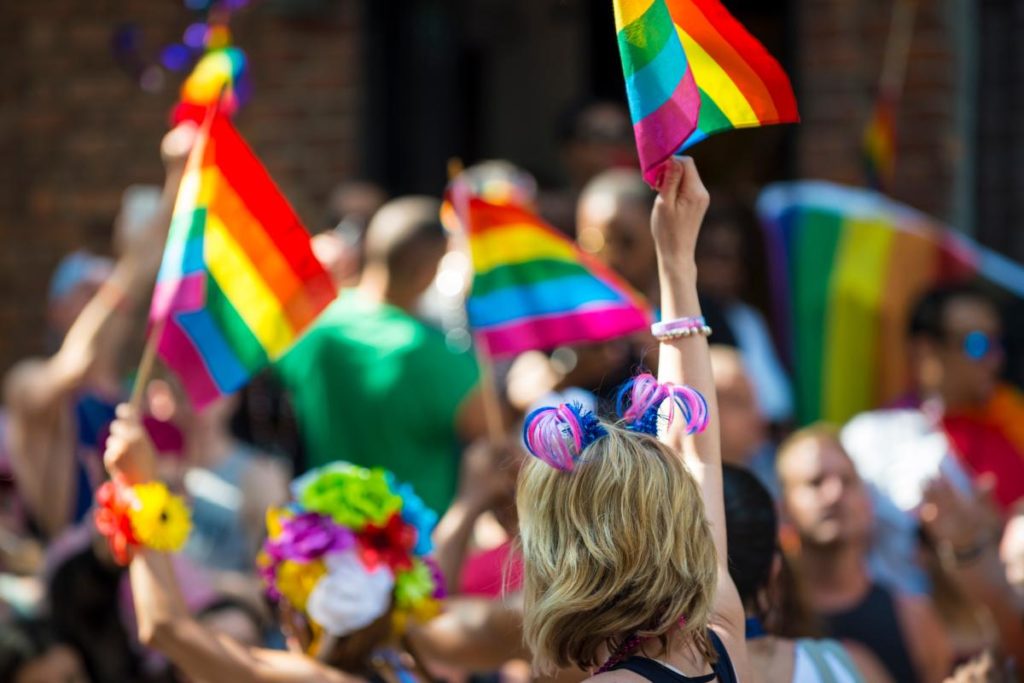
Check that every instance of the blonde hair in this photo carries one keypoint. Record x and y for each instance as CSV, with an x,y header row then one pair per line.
x,y
617,548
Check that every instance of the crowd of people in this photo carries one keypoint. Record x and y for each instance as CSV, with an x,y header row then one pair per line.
x,y
365,511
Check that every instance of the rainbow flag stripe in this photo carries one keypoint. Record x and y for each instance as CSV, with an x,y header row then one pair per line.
x,y
692,71
239,282
534,289
846,266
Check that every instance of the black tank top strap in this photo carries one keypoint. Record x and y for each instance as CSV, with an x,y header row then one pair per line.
x,y
721,671
656,672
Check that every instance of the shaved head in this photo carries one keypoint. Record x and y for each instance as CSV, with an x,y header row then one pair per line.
x,y
403,232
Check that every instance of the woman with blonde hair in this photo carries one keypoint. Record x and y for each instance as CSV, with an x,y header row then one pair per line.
x,y
622,525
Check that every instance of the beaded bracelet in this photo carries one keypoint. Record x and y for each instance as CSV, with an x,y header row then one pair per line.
x,y
141,515
680,328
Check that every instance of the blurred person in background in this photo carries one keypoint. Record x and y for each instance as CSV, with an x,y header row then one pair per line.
x,y
828,506
368,357
722,264
350,207
961,423
755,564
745,439
56,406
593,136
966,530
30,652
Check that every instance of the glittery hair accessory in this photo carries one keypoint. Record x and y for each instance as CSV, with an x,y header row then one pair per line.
x,y
559,435
640,400
353,545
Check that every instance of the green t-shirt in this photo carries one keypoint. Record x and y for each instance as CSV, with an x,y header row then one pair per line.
x,y
374,386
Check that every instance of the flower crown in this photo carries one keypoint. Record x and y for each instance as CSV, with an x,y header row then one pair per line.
x,y
352,545
558,435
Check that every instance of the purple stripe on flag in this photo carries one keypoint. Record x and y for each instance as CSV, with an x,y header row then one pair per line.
x,y
180,355
663,132
547,332
178,296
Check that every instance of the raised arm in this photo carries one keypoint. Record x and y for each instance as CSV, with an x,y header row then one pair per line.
x,y
164,622
37,392
676,219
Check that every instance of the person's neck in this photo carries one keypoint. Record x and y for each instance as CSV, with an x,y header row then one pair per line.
x,y
209,445
377,285
836,576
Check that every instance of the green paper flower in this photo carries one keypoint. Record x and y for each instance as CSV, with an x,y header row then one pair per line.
x,y
353,496
413,586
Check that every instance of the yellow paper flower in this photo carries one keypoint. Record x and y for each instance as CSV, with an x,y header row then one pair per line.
x,y
296,580
159,519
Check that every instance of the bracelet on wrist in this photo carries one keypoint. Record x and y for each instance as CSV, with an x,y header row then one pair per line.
x,y
142,515
680,328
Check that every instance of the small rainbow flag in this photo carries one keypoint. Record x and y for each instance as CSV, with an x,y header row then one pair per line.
x,y
879,145
846,267
220,78
692,71
239,282
533,289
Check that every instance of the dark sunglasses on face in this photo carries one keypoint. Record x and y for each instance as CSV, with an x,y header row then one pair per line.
x,y
977,345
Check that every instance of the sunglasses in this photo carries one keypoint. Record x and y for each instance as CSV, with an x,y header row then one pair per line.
x,y
977,345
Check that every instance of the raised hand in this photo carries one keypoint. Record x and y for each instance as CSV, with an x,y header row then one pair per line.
x,y
129,455
678,211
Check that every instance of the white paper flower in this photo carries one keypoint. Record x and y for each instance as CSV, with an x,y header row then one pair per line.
x,y
349,596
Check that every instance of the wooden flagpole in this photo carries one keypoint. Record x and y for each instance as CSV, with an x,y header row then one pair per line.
x,y
460,195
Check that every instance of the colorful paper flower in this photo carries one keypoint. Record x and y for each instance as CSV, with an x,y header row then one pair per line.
x,y
159,519
413,585
113,521
307,536
353,496
440,589
390,544
295,581
416,513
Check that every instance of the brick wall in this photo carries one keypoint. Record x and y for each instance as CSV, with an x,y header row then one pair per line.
x,y
75,130
840,47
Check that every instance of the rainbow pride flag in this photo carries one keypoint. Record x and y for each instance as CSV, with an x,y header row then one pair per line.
x,y
533,289
692,71
239,282
879,145
846,267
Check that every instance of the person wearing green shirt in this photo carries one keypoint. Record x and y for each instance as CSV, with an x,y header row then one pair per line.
x,y
373,385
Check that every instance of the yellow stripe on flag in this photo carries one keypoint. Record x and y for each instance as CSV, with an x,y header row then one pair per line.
x,y
245,288
716,84
516,244
857,286
628,11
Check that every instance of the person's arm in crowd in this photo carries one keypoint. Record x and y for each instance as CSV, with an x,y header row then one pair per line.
x,y
675,221
966,533
928,641
37,392
482,482
473,634
164,622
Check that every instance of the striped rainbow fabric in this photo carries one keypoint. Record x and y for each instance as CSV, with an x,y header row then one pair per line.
x,y
533,289
846,267
239,282
692,71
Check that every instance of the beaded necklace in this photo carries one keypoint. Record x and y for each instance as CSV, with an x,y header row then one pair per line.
x,y
627,649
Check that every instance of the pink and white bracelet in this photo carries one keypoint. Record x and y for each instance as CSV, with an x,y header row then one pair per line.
x,y
668,330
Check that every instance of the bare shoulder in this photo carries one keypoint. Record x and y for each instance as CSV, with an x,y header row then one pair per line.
x,y
620,676
867,663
